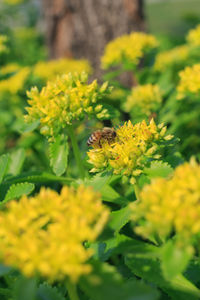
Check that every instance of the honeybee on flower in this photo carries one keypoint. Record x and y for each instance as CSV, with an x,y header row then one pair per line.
x,y
106,134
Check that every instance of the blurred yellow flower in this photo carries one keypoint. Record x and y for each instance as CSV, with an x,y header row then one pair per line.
x,y
9,68
189,81
131,150
166,59
50,69
130,48
46,233
193,36
144,98
170,206
15,83
67,98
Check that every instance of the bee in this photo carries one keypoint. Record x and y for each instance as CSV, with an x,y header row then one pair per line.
x,y
106,134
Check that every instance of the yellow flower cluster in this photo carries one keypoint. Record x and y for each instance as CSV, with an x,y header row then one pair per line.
x,y
67,98
16,82
128,48
177,55
50,69
46,233
144,98
3,40
9,68
193,36
170,206
131,150
189,81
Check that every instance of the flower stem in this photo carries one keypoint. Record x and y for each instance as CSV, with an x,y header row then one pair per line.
x,y
137,191
76,151
72,291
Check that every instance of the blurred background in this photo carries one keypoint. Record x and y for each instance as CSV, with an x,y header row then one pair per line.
x,y
81,29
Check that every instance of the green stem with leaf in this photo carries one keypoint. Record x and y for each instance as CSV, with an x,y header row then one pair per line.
x,y
72,290
76,151
137,191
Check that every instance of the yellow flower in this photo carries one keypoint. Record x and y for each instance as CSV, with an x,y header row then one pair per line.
x,y
3,40
50,69
128,48
166,59
130,152
15,83
169,206
67,98
189,81
9,68
144,98
46,233
193,36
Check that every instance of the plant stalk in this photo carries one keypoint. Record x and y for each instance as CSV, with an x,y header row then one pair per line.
x,y
72,290
76,151
137,191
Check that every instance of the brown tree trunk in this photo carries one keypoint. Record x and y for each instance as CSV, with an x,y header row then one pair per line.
x,y
82,28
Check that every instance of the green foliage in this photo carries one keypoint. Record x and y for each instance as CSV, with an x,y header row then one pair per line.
x,y
59,155
108,284
158,169
4,161
17,190
174,260
24,289
149,269
46,291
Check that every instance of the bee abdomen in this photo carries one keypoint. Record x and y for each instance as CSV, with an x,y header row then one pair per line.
x,y
92,139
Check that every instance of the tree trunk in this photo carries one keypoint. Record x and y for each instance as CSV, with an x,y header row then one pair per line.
x,y
82,28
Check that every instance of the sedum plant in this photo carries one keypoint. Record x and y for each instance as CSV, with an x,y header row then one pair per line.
x,y
134,147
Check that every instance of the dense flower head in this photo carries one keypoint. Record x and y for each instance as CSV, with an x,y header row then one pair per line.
x,y
170,206
67,98
15,83
193,36
169,58
50,69
144,98
189,81
130,48
3,40
132,149
45,234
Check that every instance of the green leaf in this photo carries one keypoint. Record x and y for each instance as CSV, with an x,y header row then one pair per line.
x,y
36,177
149,269
59,155
107,284
158,169
100,183
122,244
24,127
17,190
47,292
174,260
4,161
24,289
119,218
16,161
